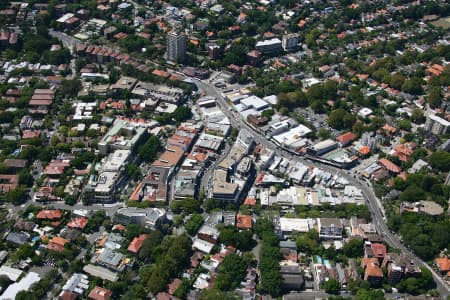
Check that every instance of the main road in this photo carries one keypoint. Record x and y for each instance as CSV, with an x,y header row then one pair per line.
x,y
375,207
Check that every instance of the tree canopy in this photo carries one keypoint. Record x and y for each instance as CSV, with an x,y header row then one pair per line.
x,y
194,224
341,119
148,151
231,272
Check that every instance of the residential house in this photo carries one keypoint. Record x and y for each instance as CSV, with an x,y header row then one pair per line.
x,y
346,138
57,244
99,293
372,271
244,222
8,182
136,243
49,214
443,263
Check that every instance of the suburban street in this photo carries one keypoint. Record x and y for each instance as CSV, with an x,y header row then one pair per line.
x,y
204,149
373,203
68,41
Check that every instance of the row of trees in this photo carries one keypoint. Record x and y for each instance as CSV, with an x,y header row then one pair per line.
x,y
232,272
269,258
149,150
338,211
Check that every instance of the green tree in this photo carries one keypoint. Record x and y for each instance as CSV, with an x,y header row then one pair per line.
x,y
331,286
323,133
132,231
308,242
271,279
70,87
354,248
194,224
417,116
182,290
440,160
413,193
181,114
231,272
413,86
149,246
404,125
242,240
268,113
365,294
136,291
133,171
16,196
340,119
213,294
434,98
418,285
148,151
355,95
4,281
188,206
25,251
70,200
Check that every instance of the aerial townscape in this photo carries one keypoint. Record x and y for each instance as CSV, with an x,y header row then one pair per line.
x,y
224,149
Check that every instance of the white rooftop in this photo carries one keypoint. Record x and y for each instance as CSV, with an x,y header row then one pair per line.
x,y
12,273
268,42
23,285
294,224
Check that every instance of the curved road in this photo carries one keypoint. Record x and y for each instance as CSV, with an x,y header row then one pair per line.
x,y
375,207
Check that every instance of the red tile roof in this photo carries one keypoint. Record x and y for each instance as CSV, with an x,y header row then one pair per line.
x,y
389,165
120,35
29,134
346,138
379,250
99,293
40,102
57,244
389,129
373,271
403,175
49,214
244,222
372,268
9,182
404,151
79,223
56,167
174,285
135,195
250,201
443,264
161,73
66,295
136,243
364,150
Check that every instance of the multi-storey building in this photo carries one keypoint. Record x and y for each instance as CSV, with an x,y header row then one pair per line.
x,y
330,228
290,41
176,46
437,125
